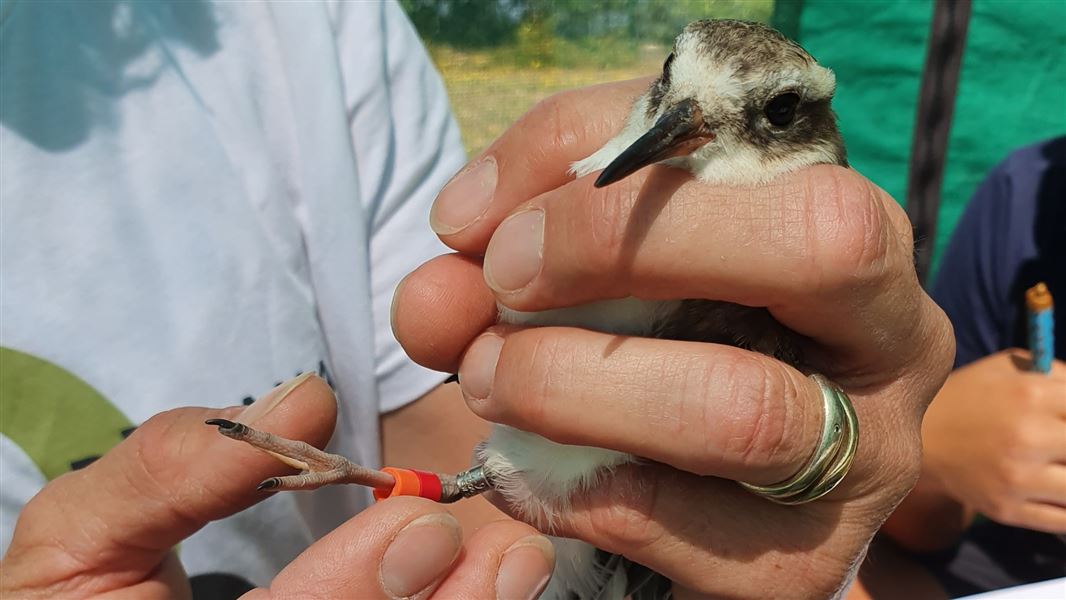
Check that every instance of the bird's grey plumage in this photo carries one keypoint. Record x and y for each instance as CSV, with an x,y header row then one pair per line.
x,y
719,110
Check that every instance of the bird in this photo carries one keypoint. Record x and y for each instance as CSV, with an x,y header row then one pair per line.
x,y
736,102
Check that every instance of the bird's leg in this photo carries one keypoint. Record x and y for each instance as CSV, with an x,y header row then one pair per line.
x,y
317,468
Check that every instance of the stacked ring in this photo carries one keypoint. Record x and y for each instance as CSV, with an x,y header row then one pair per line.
x,y
831,459
411,482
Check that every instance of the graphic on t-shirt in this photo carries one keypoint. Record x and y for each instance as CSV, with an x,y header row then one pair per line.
x,y
58,420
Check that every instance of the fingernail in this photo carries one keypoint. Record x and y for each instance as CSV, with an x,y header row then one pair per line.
x,y
516,251
465,198
266,403
479,366
420,555
525,569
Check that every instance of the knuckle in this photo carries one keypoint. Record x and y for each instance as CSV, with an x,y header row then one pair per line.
x,y
605,215
1028,397
594,236
848,231
161,451
157,443
759,435
548,121
1020,437
940,334
1011,477
541,357
694,417
166,451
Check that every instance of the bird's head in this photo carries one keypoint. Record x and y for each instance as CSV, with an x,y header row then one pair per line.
x,y
736,102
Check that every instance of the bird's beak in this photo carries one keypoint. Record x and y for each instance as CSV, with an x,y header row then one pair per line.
x,y
680,130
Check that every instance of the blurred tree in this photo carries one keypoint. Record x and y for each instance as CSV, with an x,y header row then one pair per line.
x,y
659,22
466,23
479,23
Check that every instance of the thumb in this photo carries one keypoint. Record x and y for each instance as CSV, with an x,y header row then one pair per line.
x,y
110,525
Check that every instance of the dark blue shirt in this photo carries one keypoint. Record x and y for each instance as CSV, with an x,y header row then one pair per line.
x,y
1012,235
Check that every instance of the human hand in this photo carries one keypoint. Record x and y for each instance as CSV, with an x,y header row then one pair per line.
x,y
995,441
109,530
826,251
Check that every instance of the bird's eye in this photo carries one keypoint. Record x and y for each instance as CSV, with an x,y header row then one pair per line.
x,y
666,68
782,109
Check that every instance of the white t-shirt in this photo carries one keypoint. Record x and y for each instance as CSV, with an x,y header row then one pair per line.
x,y
200,200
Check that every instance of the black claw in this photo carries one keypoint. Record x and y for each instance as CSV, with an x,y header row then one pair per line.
x,y
226,426
452,378
221,423
269,484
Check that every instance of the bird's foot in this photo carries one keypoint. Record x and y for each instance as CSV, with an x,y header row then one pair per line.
x,y
317,468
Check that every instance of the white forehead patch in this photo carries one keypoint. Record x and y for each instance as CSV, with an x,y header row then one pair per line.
x,y
705,80
697,73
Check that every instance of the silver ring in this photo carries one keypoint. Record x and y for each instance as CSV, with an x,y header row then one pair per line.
x,y
832,457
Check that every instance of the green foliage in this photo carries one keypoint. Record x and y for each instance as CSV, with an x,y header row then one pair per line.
x,y
567,32
646,21
537,45
466,23
535,39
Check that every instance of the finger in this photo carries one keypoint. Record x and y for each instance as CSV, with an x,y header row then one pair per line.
x,y
827,251
401,548
530,158
1046,439
439,308
1038,516
652,232
118,517
1048,485
1040,393
704,408
1038,437
505,559
711,536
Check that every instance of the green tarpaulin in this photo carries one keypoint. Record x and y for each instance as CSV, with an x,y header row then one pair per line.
x,y
1012,87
